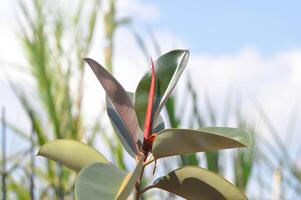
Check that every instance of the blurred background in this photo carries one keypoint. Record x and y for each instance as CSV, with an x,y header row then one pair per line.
x,y
244,71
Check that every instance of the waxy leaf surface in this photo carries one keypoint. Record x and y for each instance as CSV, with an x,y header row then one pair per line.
x,y
168,68
195,183
72,154
119,99
170,142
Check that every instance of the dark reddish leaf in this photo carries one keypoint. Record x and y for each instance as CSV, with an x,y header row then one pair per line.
x,y
118,97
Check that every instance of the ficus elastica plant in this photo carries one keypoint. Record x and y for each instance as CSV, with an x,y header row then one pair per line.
x,y
140,128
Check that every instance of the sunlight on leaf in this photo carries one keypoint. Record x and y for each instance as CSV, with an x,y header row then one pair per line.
x,y
196,183
73,154
171,142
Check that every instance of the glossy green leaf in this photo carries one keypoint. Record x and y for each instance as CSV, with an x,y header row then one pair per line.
x,y
119,98
106,182
196,183
169,68
171,142
72,154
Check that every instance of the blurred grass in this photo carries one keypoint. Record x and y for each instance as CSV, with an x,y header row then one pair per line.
x,y
57,109
275,156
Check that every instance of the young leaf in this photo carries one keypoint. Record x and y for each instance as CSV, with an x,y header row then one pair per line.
x,y
170,142
73,154
119,99
105,181
196,183
168,68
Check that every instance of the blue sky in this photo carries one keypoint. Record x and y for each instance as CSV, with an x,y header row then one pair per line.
x,y
226,26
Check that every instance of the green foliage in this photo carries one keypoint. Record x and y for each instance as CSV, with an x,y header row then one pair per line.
x,y
109,182
53,53
170,142
106,181
71,153
168,68
198,183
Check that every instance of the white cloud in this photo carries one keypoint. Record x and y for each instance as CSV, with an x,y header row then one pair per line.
x,y
141,11
272,80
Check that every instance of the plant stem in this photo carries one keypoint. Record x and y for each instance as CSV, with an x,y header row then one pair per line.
x,y
148,162
146,189
60,186
109,27
3,155
137,186
32,163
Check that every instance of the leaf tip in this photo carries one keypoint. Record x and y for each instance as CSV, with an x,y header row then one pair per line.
x,y
87,59
41,151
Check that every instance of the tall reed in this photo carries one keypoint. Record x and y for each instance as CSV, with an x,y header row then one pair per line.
x,y
54,44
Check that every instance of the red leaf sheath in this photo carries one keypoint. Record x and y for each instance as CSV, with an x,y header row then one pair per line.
x,y
148,117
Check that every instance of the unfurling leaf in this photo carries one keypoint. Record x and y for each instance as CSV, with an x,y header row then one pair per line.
x,y
72,154
106,182
119,99
195,183
170,142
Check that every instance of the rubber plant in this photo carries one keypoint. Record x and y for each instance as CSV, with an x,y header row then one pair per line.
x,y
137,122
